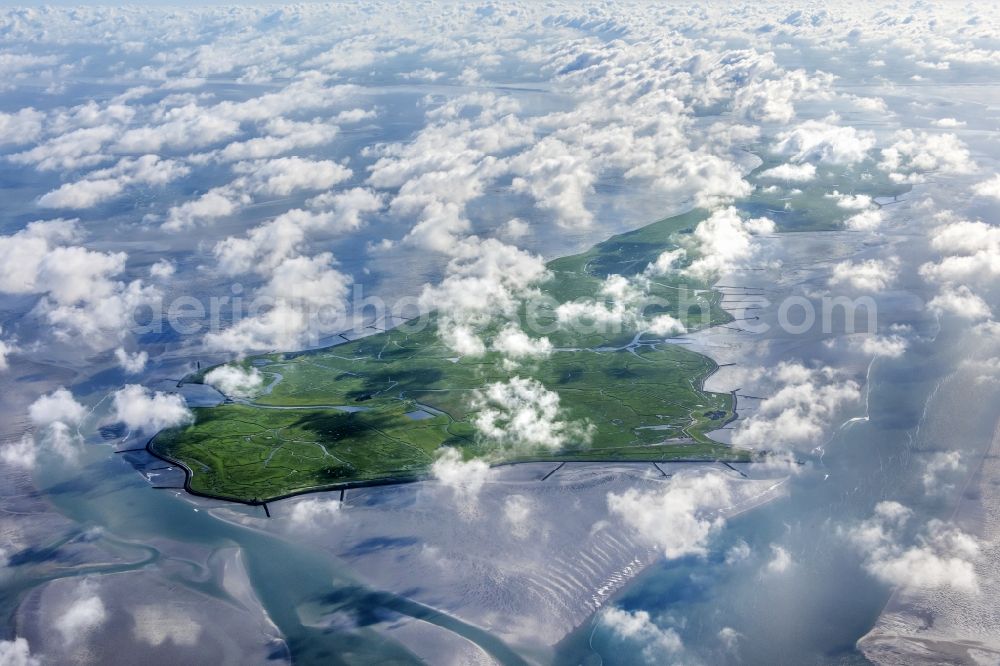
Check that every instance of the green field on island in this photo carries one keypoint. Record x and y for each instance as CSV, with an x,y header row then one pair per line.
x,y
377,409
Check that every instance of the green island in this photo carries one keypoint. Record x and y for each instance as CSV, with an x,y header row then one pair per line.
x,y
377,409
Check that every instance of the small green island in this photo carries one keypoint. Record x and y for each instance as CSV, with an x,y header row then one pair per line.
x,y
378,409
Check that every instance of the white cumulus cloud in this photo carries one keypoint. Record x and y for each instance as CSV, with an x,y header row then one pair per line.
x,y
802,404
84,613
522,414
824,141
725,242
871,275
680,519
141,409
235,381
798,173
940,555
659,645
